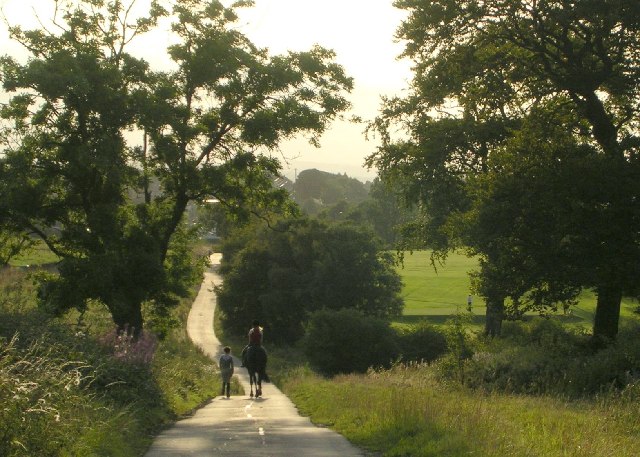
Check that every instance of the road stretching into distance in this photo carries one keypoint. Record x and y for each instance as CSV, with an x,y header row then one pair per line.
x,y
242,426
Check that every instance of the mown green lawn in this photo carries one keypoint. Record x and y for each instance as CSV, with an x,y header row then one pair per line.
x,y
437,294
38,255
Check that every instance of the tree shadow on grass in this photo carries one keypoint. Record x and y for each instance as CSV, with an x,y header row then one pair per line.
x,y
437,319
479,320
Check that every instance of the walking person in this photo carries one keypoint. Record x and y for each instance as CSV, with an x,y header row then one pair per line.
x,y
226,371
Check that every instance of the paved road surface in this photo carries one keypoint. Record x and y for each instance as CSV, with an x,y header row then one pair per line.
x,y
241,426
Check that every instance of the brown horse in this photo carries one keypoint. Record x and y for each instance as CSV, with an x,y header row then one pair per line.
x,y
256,363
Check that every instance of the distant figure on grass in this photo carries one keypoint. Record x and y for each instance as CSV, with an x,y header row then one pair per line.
x,y
226,371
254,358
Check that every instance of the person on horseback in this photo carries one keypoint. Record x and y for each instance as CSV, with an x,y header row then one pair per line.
x,y
255,339
255,334
254,358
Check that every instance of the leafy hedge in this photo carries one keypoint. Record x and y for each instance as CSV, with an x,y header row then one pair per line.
x,y
421,342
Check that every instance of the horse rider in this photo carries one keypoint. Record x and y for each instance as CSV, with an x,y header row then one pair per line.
x,y
255,334
255,339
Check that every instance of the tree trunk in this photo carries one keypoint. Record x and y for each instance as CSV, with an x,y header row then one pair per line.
x,y
179,208
494,316
128,318
605,323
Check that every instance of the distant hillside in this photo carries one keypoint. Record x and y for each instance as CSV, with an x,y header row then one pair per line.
x,y
315,189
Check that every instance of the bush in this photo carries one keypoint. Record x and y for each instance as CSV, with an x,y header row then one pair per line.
x,y
540,332
346,341
543,357
421,342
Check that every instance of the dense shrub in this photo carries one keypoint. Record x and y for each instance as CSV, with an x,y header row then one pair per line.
x,y
421,342
543,357
346,341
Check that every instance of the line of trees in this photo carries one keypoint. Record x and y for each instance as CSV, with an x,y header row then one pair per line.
x,y
205,130
521,144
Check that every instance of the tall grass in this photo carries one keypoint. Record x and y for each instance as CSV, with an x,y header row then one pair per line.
x,y
541,390
405,411
68,387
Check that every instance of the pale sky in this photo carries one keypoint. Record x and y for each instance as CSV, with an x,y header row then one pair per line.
x,y
359,31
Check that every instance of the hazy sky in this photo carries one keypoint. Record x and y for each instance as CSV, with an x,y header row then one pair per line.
x,y
359,31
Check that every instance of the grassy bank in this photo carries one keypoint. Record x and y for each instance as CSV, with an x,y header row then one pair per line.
x,y
540,391
406,412
69,388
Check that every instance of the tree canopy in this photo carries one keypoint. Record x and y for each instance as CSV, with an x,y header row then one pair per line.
x,y
205,130
281,275
315,190
509,100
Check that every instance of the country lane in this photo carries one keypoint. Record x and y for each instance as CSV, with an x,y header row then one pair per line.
x,y
242,426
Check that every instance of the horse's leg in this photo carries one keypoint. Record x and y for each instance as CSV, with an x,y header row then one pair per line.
x,y
252,379
259,385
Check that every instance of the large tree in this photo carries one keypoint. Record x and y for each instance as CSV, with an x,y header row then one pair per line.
x,y
206,130
495,62
281,275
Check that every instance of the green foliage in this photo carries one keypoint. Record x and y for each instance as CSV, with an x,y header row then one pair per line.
x,y
68,389
346,341
421,342
460,346
114,213
543,357
280,275
383,211
386,212
12,244
534,87
315,190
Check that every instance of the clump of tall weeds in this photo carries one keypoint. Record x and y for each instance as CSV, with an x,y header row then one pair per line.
x,y
44,399
72,386
126,347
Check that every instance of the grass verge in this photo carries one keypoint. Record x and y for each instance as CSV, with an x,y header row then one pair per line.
x,y
64,391
406,412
